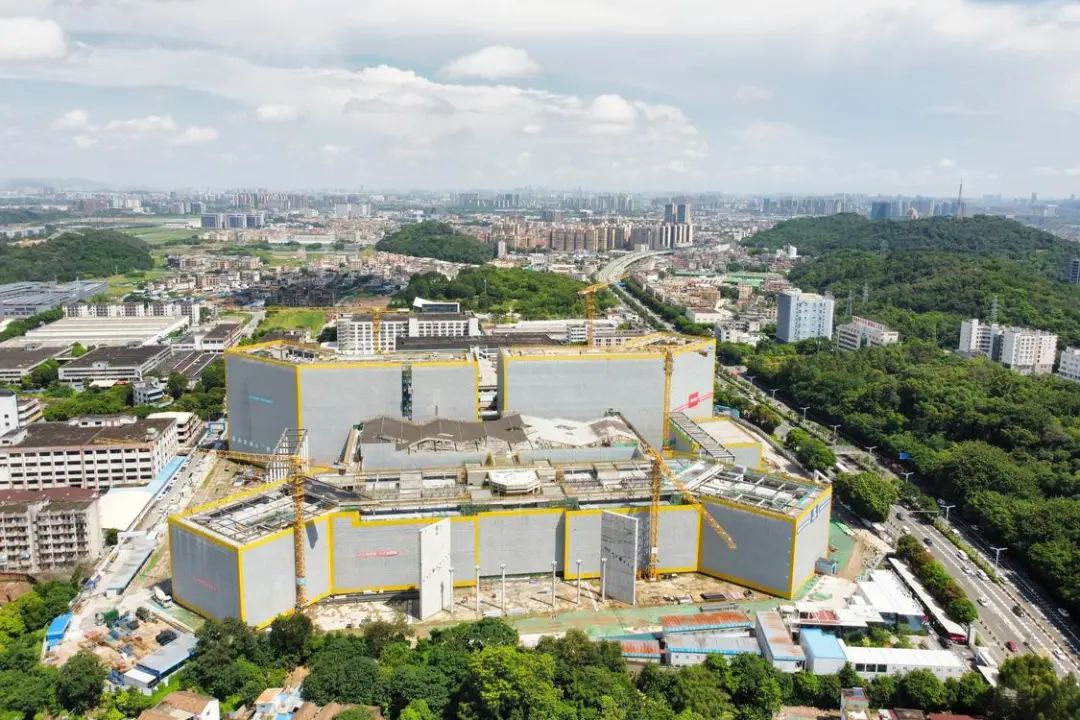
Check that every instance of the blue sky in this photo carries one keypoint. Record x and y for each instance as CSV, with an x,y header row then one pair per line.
x,y
769,96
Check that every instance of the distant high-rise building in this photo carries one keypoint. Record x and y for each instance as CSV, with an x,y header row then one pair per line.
x,y
682,213
801,316
669,212
212,221
879,210
1072,271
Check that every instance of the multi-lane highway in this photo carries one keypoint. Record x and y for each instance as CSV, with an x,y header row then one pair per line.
x,y
998,623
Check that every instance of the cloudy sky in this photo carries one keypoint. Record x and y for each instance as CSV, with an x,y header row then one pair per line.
x,y
735,96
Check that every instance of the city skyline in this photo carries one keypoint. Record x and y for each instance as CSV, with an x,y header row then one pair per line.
x,y
780,97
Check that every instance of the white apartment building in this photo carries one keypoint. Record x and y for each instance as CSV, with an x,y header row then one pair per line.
x,y
191,309
188,425
356,333
49,530
1030,352
90,452
802,316
1069,366
217,339
860,333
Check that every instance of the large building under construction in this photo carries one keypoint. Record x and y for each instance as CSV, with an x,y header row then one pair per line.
x,y
433,467
521,493
277,385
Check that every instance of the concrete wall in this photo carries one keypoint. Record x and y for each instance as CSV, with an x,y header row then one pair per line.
x,y
385,456
375,555
262,403
445,391
333,399
269,587
811,538
585,455
463,550
588,386
620,538
204,574
527,541
762,558
692,382
435,565
583,541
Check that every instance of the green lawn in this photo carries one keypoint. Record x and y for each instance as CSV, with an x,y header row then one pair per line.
x,y
120,285
154,235
290,319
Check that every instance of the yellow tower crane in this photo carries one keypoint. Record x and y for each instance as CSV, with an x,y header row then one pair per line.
x,y
295,471
588,294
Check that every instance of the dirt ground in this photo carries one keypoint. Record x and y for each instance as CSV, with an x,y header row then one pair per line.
x,y
806,713
97,640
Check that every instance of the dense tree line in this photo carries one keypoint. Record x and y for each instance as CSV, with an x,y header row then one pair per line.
x,y
1003,446
983,235
812,454
527,294
20,216
21,326
437,240
83,254
28,688
936,579
478,671
869,494
674,314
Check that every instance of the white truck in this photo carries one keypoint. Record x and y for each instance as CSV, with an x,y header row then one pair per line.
x,y
162,598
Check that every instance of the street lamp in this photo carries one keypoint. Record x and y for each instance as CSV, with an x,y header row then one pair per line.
x,y
750,378
502,566
870,449
478,591
834,429
907,475
997,555
773,391
947,509
603,580
804,412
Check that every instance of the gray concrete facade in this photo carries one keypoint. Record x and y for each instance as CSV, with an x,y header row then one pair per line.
x,y
444,391
204,574
373,555
527,542
261,403
762,557
811,540
619,544
333,399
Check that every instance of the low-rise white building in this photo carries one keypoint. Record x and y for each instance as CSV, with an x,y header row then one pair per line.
x,y
861,332
188,425
1030,352
147,392
872,662
92,452
114,363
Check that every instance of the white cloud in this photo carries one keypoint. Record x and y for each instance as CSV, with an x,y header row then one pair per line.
x,y
1072,172
84,142
495,62
946,163
144,127
532,129
1044,171
753,94
28,39
957,110
195,135
335,150
767,131
76,119
276,113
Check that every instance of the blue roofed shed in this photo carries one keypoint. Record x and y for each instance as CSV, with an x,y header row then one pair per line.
x,y
824,654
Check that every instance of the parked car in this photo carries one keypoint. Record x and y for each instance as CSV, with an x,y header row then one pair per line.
x,y
165,637
928,540
1011,646
1018,611
982,600
944,641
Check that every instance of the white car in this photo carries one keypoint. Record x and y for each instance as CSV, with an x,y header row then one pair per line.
x,y
1058,654
983,601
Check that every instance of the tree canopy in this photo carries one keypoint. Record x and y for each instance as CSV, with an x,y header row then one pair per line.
x,y
83,254
503,291
436,240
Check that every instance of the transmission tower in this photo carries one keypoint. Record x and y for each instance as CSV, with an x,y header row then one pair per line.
x,y
865,292
994,310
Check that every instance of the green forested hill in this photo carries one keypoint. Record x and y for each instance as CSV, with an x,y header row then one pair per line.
x,y
985,235
84,254
532,295
927,293
436,240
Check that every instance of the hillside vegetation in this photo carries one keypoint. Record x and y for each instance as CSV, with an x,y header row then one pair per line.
x,y
503,291
984,235
1005,447
83,254
926,293
436,240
